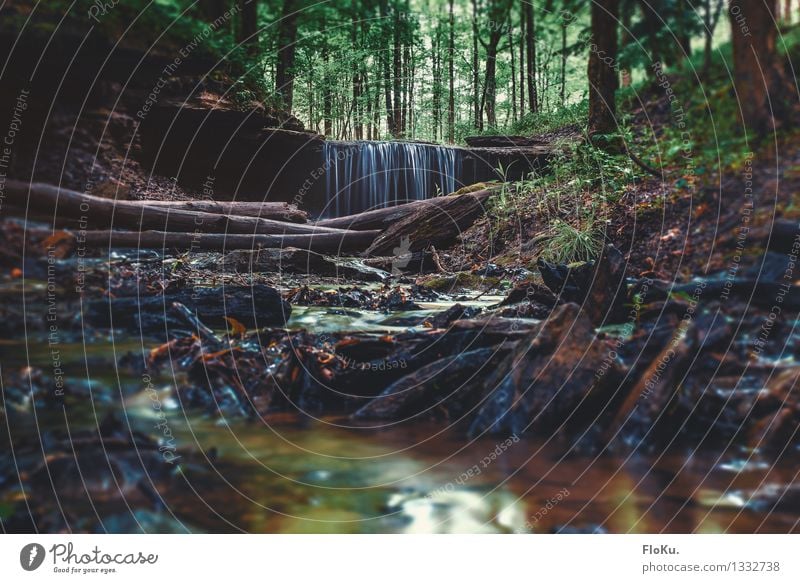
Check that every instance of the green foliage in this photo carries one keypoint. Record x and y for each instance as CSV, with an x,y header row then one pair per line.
x,y
573,241
574,114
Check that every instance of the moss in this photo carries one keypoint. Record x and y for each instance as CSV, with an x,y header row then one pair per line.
x,y
474,187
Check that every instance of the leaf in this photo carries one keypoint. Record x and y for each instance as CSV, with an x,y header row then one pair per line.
x,y
237,328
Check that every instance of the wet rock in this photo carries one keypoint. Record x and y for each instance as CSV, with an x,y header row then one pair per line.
x,y
528,300
387,299
434,389
599,286
550,381
450,315
254,306
300,261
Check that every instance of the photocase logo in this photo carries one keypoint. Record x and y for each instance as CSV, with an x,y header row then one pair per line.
x,y
31,556
401,255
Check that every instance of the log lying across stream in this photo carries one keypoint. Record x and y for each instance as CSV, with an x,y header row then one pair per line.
x,y
344,242
386,217
97,212
95,222
277,211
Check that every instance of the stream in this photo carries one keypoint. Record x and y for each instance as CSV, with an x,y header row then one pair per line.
x,y
293,473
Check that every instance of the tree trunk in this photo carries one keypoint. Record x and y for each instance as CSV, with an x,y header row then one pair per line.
x,y
562,93
512,48
451,100
476,92
248,29
279,211
358,128
498,17
437,222
765,96
213,10
530,49
327,97
368,101
97,212
602,68
490,86
436,66
398,72
385,217
287,38
522,37
652,24
337,243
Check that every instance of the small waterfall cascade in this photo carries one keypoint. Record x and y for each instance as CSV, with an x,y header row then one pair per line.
x,y
366,175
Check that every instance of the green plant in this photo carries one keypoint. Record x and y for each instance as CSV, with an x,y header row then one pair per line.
x,y
580,240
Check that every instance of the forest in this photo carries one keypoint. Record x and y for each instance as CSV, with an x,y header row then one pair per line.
x,y
399,266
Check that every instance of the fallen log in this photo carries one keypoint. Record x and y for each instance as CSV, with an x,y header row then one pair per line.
x,y
97,212
277,211
337,242
504,142
386,217
430,224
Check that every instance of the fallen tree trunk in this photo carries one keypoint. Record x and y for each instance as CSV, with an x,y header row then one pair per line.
x,y
277,211
429,224
94,211
341,242
386,217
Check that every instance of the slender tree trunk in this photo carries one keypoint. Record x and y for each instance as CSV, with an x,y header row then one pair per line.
x,y
310,90
327,97
530,49
787,11
368,102
213,10
451,100
476,92
387,77
406,85
358,128
490,87
248,29
437,82
411,75
498,16
522,37
512,48
652,25
601,71
711,16
287,38
765,96
562,93
398,72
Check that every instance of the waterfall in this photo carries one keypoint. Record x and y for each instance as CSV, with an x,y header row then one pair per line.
x,y
367,175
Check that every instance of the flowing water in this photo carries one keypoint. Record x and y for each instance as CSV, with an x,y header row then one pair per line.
x,y
366,175
292,473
